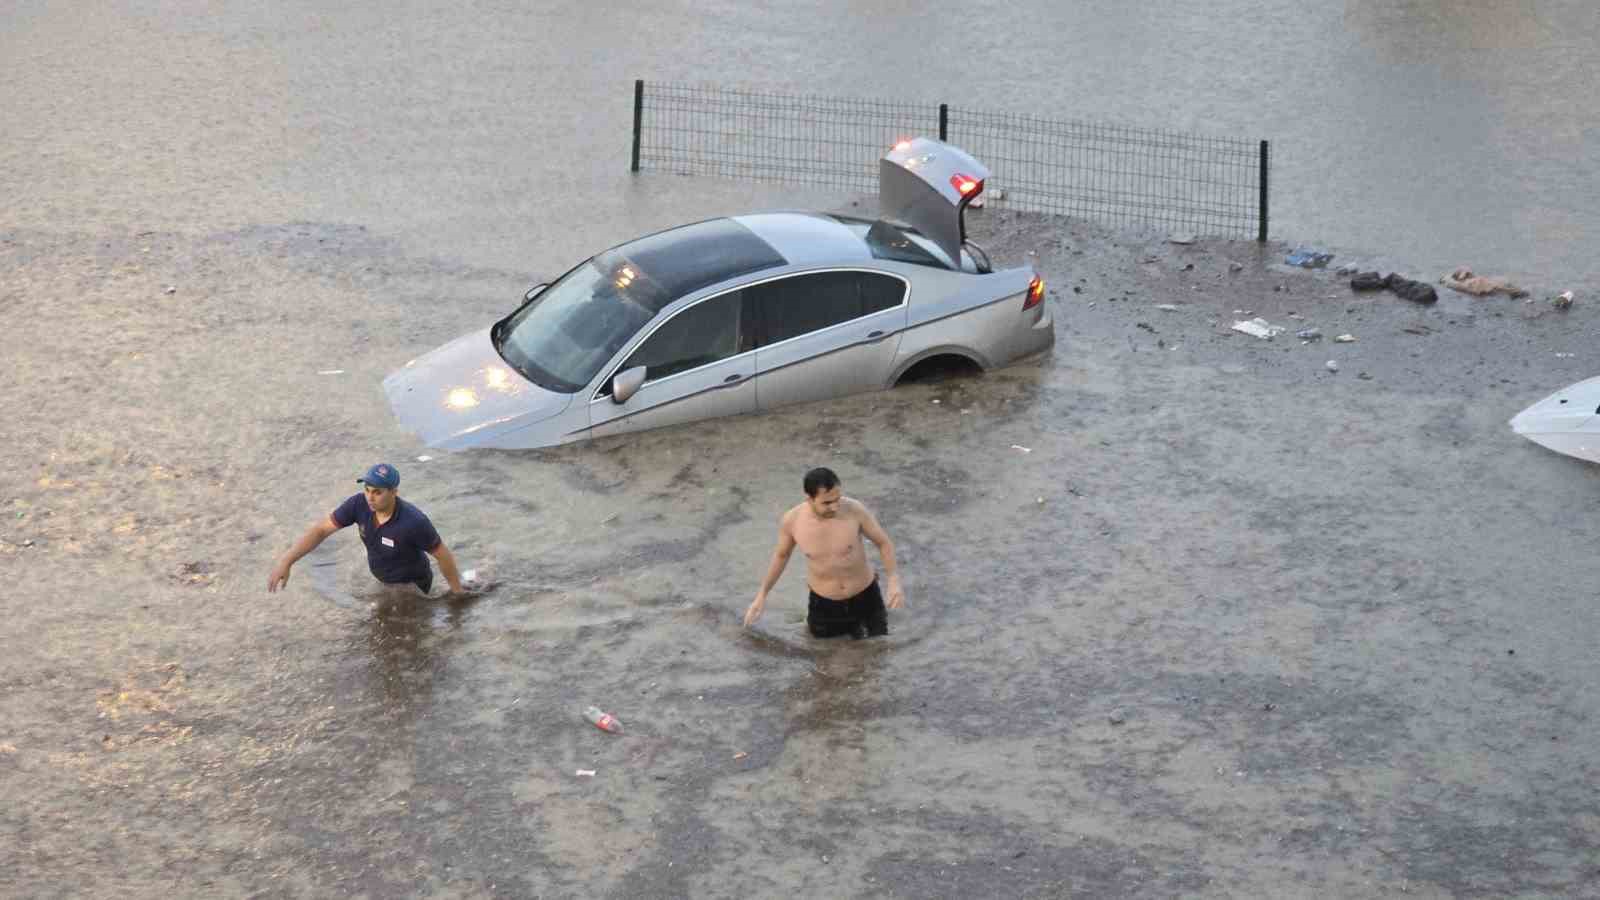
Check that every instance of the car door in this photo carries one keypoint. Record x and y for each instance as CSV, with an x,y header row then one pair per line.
x,y
698,365
826,334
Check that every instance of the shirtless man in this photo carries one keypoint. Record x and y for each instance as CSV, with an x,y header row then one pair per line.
x,y
828,528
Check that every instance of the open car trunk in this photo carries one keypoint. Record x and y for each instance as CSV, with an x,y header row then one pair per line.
x,y
927,184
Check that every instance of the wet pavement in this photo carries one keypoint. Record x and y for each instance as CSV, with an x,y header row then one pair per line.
x,y
1229,624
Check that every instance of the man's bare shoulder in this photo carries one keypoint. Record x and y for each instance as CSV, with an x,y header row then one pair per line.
x,y
790,516
854,508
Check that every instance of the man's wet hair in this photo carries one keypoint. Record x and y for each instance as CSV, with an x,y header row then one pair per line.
x,y
820,479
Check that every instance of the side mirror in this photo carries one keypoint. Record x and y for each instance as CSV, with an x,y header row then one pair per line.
x,y
534,291
626,383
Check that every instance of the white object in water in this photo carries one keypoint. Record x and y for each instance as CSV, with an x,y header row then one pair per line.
x,y
1259,327
1567,421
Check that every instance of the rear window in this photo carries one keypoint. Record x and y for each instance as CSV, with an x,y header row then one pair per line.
x,y
893,242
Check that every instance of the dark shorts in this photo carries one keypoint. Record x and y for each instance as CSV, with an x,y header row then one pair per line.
x,y
860,616
424,583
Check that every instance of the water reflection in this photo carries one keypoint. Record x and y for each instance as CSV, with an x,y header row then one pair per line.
x,y
406,637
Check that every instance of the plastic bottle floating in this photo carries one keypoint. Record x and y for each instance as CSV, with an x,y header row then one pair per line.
x,y
603,720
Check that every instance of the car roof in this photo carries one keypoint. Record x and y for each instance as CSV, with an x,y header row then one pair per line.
x,y
807,238
682,260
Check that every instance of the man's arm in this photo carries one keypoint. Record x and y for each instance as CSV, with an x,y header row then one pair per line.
x,y
780,559
447,566
875,533
316,534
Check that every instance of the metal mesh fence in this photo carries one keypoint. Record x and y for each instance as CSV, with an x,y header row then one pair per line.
x,y
733,133
1118,175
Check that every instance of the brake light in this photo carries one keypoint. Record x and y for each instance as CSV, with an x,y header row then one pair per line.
x,y
1035,293
965,185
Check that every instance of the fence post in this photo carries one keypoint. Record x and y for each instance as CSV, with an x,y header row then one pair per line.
x,y
638,118
1261,234
944,122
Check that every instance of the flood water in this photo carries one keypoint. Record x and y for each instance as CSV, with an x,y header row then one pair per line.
x,y
1437,133
1186,615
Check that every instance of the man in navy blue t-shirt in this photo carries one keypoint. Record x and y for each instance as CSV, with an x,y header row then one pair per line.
x,y
396,533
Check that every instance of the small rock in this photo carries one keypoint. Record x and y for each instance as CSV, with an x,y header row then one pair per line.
x,y
172,289
1345,339
1332,366
1235,267
1117,716
1562,300
1168,307
1347,269
1184,238
1363,376
1309,334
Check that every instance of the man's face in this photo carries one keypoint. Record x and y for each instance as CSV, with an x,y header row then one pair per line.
x,y
825,505
379,500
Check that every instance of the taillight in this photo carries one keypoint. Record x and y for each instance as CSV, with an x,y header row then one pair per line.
x,y
1035,293
965,185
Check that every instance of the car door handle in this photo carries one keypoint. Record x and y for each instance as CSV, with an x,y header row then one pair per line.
x,y
874,334
732,378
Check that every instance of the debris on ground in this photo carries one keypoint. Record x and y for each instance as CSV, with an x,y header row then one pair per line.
x,y
1348,269
1167,307
1022,448
1309,334
1464,281
1367,281
1308,259
172,289
584,773
740,755
1345,339
1235,267
1146,326
1414,291
1562,300
331,372
1183,238
1259,327
1333,365
1117,716
424,458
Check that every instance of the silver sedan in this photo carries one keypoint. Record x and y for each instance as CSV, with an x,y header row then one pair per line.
x,y
737,315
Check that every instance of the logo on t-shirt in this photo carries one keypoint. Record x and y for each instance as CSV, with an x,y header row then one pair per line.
x,y
387,542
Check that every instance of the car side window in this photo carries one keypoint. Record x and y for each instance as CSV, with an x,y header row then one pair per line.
x,y
790,307
879,292
704,333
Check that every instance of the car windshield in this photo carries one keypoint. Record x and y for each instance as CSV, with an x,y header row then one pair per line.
x,y
563,337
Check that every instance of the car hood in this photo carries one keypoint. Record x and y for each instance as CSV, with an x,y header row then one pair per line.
x,y
464,395
1570,409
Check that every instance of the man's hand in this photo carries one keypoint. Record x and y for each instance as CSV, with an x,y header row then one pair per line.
x,y
278,578
897,594
756,609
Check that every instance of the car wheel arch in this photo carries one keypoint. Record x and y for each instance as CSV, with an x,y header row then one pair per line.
x,y
955,353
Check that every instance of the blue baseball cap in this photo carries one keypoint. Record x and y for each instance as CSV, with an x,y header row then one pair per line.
x,y
381,475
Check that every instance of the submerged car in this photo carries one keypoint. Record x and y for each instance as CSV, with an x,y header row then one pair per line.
x,y
737,315
1567,421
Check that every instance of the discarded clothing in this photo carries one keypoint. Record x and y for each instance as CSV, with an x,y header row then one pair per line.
x,y
1479,285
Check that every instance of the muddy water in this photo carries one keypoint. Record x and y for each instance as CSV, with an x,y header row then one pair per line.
x,y
1324,608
